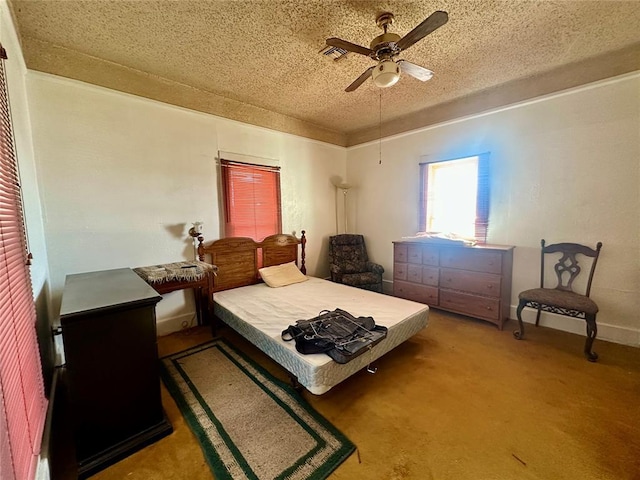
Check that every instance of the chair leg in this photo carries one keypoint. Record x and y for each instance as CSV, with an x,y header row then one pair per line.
x,y
592,331
538,316
519,334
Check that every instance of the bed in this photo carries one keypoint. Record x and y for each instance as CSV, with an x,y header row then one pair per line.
x,y
260,313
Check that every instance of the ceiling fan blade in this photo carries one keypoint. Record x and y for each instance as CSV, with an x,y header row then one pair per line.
x,y
415,71
348,46
360,80
431,23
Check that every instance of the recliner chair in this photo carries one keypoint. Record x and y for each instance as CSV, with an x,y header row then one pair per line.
x,y
350,265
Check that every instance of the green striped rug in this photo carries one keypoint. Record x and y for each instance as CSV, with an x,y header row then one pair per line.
x,y
250,425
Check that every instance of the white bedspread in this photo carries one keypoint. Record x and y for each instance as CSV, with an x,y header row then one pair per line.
x,y
260,314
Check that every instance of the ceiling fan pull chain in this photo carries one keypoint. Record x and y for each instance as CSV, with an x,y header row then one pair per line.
x,y
380,132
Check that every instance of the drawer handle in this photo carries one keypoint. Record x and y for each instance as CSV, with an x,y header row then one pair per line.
x,y
489,286
489,308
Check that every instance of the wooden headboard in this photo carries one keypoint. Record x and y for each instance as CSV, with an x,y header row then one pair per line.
x,y
237,257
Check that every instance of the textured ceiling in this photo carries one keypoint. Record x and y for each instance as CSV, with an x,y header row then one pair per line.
x,y
259,62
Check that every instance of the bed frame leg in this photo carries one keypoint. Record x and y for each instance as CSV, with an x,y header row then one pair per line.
x,y
297,386
215,326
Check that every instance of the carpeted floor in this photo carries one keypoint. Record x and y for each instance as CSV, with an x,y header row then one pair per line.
x,y
460,400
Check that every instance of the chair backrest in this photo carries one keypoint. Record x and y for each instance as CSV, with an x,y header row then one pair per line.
x,y
567,268
348,251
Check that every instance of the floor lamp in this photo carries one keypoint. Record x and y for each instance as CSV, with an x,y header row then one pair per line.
x,y
344,187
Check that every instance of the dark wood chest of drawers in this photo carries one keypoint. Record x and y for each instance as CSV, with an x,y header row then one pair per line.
x,y
109,331
473,281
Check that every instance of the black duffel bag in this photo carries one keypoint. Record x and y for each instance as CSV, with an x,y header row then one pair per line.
x,y
337,333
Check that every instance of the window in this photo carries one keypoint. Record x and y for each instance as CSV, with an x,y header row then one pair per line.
x,y
22,401
455,197
251,200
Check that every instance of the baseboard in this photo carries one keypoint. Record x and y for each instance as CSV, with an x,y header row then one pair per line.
x,y
608,332
43,467
43,472
175,324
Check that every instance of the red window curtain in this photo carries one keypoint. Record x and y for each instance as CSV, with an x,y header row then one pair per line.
x,y
22,401
251,200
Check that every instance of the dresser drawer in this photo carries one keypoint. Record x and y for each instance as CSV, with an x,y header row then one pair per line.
x,y
400,253
400,271
476,260
417,293
430,276
472,305
471,282
414,273
430,255
414,253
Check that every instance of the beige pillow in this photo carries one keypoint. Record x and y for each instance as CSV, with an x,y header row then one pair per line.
x,y
282,275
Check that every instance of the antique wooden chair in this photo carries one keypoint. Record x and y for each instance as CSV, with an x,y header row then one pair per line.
x,y
562,299
349,263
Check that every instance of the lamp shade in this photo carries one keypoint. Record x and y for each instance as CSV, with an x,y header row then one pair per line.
x,y
386,74
196,229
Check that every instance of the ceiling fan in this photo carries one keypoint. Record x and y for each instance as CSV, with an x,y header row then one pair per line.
x,y
386,47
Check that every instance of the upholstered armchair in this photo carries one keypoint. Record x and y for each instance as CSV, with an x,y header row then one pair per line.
x,y
349,263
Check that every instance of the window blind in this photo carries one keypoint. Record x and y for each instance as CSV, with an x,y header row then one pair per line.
x,y
482,201
424,182
22,401
251,200
481,225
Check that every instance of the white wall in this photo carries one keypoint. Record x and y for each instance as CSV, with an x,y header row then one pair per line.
x,y
122,178
564,168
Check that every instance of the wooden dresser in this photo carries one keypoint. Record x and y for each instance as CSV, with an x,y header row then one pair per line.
x,y
473,281
108,324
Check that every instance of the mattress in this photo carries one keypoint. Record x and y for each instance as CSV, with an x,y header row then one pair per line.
x,y
260,314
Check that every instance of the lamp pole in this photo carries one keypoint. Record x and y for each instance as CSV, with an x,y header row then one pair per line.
x,y
345,189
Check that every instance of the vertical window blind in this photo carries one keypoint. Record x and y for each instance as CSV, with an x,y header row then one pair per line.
x,y
251,200
22,401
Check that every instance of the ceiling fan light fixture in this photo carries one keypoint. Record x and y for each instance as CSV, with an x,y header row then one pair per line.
x,y
386,47
386,74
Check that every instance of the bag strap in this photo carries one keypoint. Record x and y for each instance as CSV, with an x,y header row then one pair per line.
x,y
290,333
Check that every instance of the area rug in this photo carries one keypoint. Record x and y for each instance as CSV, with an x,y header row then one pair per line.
x,y
250,425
